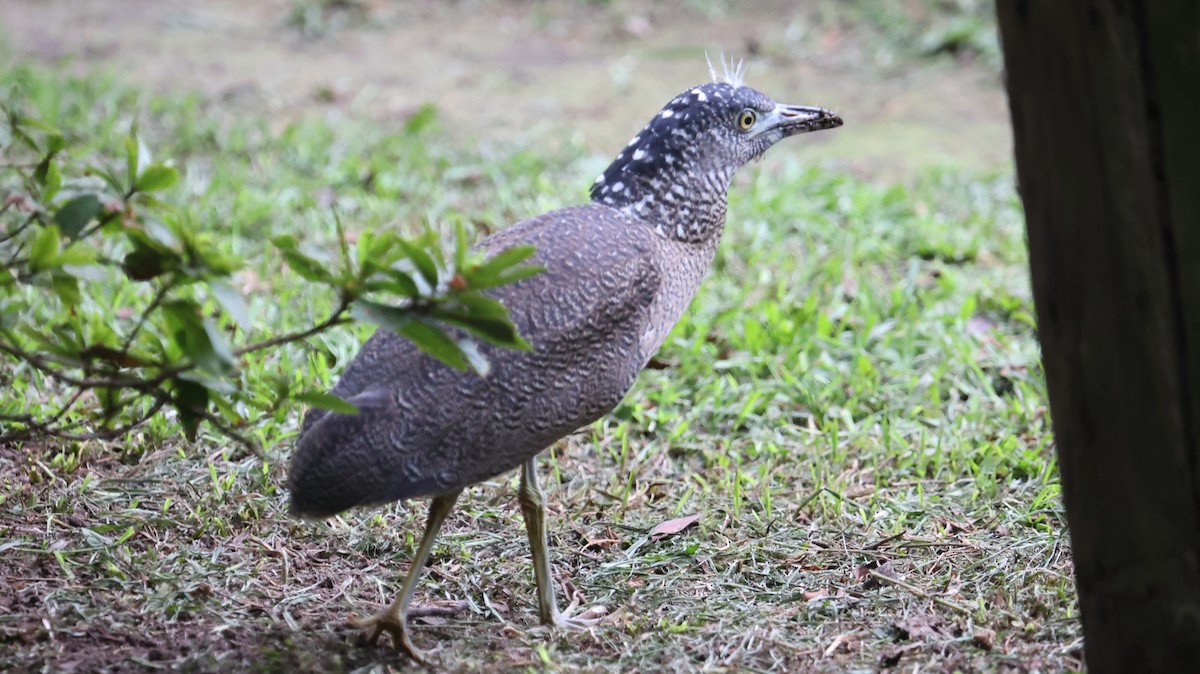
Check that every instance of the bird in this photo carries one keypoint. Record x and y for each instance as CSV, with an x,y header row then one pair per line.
x,y
619,272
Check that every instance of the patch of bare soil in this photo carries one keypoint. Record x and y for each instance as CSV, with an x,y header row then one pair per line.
x,y
500,71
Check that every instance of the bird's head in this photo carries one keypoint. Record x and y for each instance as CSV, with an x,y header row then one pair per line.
x,y
687,154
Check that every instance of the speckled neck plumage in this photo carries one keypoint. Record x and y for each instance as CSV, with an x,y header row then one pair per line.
x,y
669,179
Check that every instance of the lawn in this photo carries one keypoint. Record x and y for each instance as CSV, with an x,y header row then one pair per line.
x,y
853,409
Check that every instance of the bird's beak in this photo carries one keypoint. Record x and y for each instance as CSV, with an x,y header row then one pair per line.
x,y
795,119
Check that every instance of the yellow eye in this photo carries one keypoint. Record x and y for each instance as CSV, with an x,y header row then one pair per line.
x,y
746,119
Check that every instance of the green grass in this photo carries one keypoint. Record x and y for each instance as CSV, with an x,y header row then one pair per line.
x,y
853,405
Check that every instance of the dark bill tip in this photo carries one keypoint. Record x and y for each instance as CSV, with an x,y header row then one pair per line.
x,y
802,119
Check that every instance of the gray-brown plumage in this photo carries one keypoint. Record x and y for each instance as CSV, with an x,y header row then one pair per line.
x,y
619,273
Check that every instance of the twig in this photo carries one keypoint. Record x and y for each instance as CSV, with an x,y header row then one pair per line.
x,y
158,298
446,608
22,227
43,363
66,408
34,427
336,318
877,544
945,603
101,222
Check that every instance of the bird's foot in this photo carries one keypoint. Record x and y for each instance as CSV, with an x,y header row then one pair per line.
x,y
393,623
568,619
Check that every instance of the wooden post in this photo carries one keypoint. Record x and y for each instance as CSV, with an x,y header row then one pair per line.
x,y
1105,102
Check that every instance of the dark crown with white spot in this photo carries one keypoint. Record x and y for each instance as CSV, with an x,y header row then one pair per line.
x,y
675,173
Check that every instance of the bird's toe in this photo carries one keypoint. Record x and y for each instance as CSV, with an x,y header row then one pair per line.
x,y
395,626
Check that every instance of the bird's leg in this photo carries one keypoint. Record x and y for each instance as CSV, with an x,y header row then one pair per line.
x,y
533,507
394,619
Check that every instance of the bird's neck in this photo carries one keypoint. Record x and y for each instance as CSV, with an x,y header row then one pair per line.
x,y
685,205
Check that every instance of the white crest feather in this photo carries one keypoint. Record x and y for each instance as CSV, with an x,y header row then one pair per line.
x,y
734,72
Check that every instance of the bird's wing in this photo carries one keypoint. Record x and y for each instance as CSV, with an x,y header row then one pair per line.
x,y
600,272
423,424
600,275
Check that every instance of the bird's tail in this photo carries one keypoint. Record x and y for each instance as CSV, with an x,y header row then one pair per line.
x,y
341,461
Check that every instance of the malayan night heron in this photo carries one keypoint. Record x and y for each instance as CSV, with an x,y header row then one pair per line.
x,y
619,273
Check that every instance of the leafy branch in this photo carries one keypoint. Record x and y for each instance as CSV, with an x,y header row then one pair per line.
x,y
116,310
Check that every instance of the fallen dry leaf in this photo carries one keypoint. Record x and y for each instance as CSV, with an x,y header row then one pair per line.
x,y
672,526
841,643
871,581
825,594
952,527
922,628
984,638
979,325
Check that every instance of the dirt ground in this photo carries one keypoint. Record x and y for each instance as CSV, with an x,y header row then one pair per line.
x,y
501,71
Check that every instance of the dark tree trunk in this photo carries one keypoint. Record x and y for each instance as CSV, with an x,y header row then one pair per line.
x,y
1105,101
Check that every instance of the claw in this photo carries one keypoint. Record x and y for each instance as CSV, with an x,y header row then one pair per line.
x,y
394,619
395,626
566,619
589,618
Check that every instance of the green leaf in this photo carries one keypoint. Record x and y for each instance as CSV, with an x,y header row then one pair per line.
x,y
427,337
137,156
421,119
67,288
220,348
156,177
199,339
501,269
231,301
43,254
160,233
363,250
183,316
20,134
505,277
77,255
461,247
39,125
307,267
377,252
327,401
55,142
131,155
484,317
433,341
423,262
191,400
347,265
144,263
110,178
226,406
126,535
506,258
392,318
76,214
47,173
475,357
401,283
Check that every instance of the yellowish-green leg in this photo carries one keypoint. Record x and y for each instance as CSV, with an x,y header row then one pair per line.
x,y
394,619
533,507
